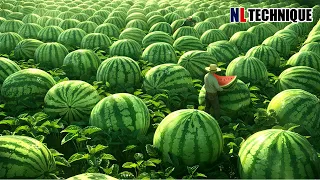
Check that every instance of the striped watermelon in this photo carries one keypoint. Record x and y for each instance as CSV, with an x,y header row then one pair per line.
x,y
299,77
120,72
290,36
204,26
29,30
139,24
191,136
230,29
305,58
7,67
65,15
270,27
185,31
30,18
279,44
278,154
312,38
117,21
102,13
261,32
313,47
244,40
136,15
91,176
177,24
244,26
161,26
248,69
213,35
80,17
42,20
223,51
26,48
299,107
153,13
188,43
268,55
196,61
121,112
215,20
50,34
155,19
157,36
53,22
81,62
108,29
27,86
170,17
96,41
160,53
87,26
236,98
24,157
72,38
11,26
8,41
134,34
296,27
126,47
167,77
50,55
71,100
69,23
96,19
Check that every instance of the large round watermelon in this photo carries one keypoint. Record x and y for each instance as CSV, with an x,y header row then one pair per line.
x,y
160,53
279,44
49,34
305,58
91,176
126,47
8,41
268,55
244,40
223,51
7,67
26,48
188,43
96,41
72,38
29,30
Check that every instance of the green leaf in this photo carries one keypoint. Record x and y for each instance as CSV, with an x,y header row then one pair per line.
x,y
55,152
129,165
40,138
126,175
201,175
61,161
68,137
130,147
149,163
193,169
8,122
22,128
235,127
92,169
90,130
77,157
96,149
71,129
168,171
156,161
228,136
151,150
107,157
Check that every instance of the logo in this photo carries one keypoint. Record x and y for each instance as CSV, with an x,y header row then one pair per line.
x,y
271,15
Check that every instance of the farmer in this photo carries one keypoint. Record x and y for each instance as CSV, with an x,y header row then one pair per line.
x,y
212,87
189,22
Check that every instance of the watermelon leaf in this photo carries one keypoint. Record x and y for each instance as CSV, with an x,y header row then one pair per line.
x,y
61,161
69,137
77,157
71,129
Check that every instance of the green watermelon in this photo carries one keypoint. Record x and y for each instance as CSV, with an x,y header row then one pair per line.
x,y
53,22
26,48
313,47
223,51
279,44
50,55
244,40
27,86
96,19
185,31
299,107
268,55
117,21
66,15
189,137
294,157
72,38
126,47
80,17
134,34
296,27
305,58
42,20
120,72
30,18
167,77
261,32
155,19
96,41
236,98
24,157
172,16
213,35
160,53
157,36
188,43
7,67
91,176
71,100
136,15
299,77
204,26
87,26
139,24
68,24
49,34
230,29
102,13
11,26
8,41
161,26
290,36
29,30
81,62
196,61
121,112
108,29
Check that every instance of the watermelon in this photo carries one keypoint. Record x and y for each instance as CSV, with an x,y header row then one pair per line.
x,y
108,29
53,22
139,24
50,34
24,157
305,58
160,53
153,13
42,20
213,35
27,86
296,27
26,48
290,36
91,176
121,112
126,47
312,38
270,27
120,14
71,100
244,40
294,157
196,61
29,30
120,72
68,24
87,26
189,137
299,107
72,38
96,19
236,98
167,77
299,77
268,55
136,15
177,24
156,36
102,13
11,26
202,27
7,67
117,21
223,51
245,26
81,62
8,41
225,81
161,26
96,41
134,34
313,47
155,19
50,55
230,29
261,32
188,43
215,20
80,17
170,17
279,44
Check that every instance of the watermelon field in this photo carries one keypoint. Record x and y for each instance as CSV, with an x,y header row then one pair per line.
x,y
114,89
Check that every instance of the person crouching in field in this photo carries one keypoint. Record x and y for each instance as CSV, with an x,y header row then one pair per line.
x,y
212,87
189,22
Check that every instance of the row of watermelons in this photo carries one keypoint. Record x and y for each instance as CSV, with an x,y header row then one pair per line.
x,y
59,28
